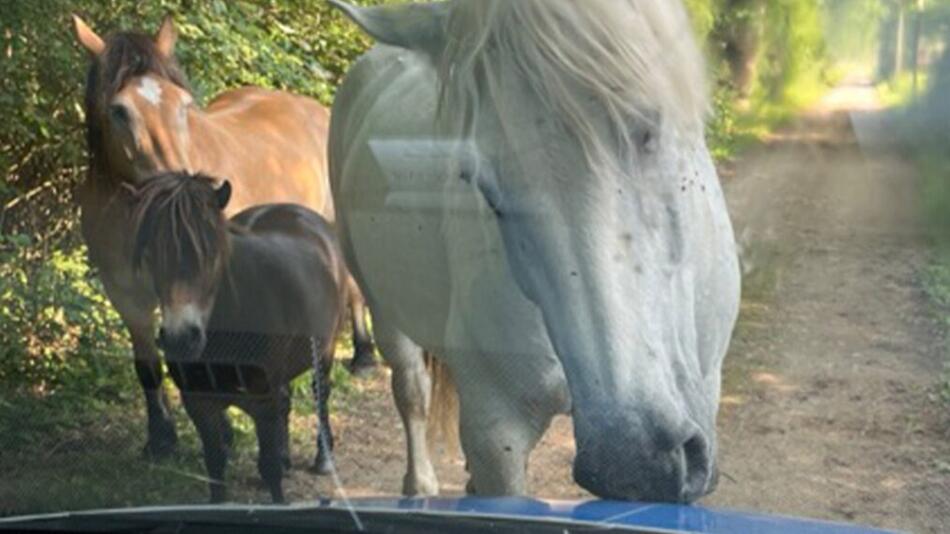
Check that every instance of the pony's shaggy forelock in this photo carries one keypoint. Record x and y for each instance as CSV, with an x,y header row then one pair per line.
x,y
636,58
179,231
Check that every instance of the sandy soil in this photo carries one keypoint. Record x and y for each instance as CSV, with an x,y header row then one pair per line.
x,y
828,408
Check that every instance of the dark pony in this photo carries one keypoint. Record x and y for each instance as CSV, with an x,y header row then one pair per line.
x,y
247,304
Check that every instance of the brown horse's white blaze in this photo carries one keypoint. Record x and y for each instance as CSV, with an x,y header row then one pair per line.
x,y
141,120
151,122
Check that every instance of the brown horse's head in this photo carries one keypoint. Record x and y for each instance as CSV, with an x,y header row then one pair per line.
x,y
137,104
181,239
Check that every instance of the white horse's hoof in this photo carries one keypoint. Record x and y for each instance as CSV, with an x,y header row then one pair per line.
x,y
424,486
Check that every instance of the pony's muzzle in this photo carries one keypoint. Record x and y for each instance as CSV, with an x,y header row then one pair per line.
x,y
663,468
186,343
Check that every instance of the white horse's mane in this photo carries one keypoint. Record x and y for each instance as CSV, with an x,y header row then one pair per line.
x,y
636,58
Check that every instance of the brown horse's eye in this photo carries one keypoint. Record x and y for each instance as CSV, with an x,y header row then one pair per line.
x,y
119,114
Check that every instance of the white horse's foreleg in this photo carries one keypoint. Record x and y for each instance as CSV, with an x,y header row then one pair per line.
x,y
411,390
506,402
498,429
509,381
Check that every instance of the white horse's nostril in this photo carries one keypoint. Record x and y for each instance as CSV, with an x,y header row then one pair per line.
x,y
696,465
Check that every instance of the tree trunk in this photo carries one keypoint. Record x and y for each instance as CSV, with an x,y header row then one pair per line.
x,y
742,44
899,48
915,46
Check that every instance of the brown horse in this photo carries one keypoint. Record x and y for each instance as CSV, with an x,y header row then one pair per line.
x,y
246,306
141,120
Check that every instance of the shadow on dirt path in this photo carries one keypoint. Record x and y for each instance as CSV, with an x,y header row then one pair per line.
x,y
828,407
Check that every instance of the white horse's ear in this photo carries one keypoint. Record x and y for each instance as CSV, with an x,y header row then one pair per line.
x,y
89,39
413,26
166,37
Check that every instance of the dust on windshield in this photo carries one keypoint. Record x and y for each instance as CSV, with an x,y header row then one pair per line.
x,y
267,252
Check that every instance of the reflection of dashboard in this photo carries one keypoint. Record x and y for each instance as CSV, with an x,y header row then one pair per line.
x,y
416,169
230,364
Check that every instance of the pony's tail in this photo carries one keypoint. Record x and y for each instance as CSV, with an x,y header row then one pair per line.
x,y
443,423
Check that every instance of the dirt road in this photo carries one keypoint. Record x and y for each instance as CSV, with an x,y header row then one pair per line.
x,y
828,407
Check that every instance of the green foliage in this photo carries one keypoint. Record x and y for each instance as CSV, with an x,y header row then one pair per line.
x,y
937,284
770,60
703,16
793,60
899,91
723,130
922,125
852,29
56,328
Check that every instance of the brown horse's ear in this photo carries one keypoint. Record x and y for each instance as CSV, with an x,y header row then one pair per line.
x,y
223,194
89,39
166,37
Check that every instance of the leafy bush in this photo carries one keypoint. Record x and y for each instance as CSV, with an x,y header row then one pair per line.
x,y
55,326
768,59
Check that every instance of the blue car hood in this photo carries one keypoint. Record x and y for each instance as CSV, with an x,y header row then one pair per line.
x,y
620,516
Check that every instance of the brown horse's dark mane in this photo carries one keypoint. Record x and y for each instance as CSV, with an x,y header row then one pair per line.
x,y
178,225
127,55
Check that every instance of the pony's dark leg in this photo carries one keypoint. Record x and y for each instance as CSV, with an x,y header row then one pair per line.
x,y
267,424
284,409
227,433
363,346
323,464
162,437
208,417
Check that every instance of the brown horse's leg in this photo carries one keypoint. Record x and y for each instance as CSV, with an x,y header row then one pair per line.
x,y
137,310
162,437
363,347
207,417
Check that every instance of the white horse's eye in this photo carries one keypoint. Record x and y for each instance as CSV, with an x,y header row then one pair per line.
x,y
645,133
647,140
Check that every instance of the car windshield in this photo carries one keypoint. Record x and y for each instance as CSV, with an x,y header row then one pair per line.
x,y
691,252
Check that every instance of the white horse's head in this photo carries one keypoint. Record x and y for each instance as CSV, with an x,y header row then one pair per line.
x,y
587,117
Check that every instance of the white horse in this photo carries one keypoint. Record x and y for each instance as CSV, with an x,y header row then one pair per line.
x,y
523,189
